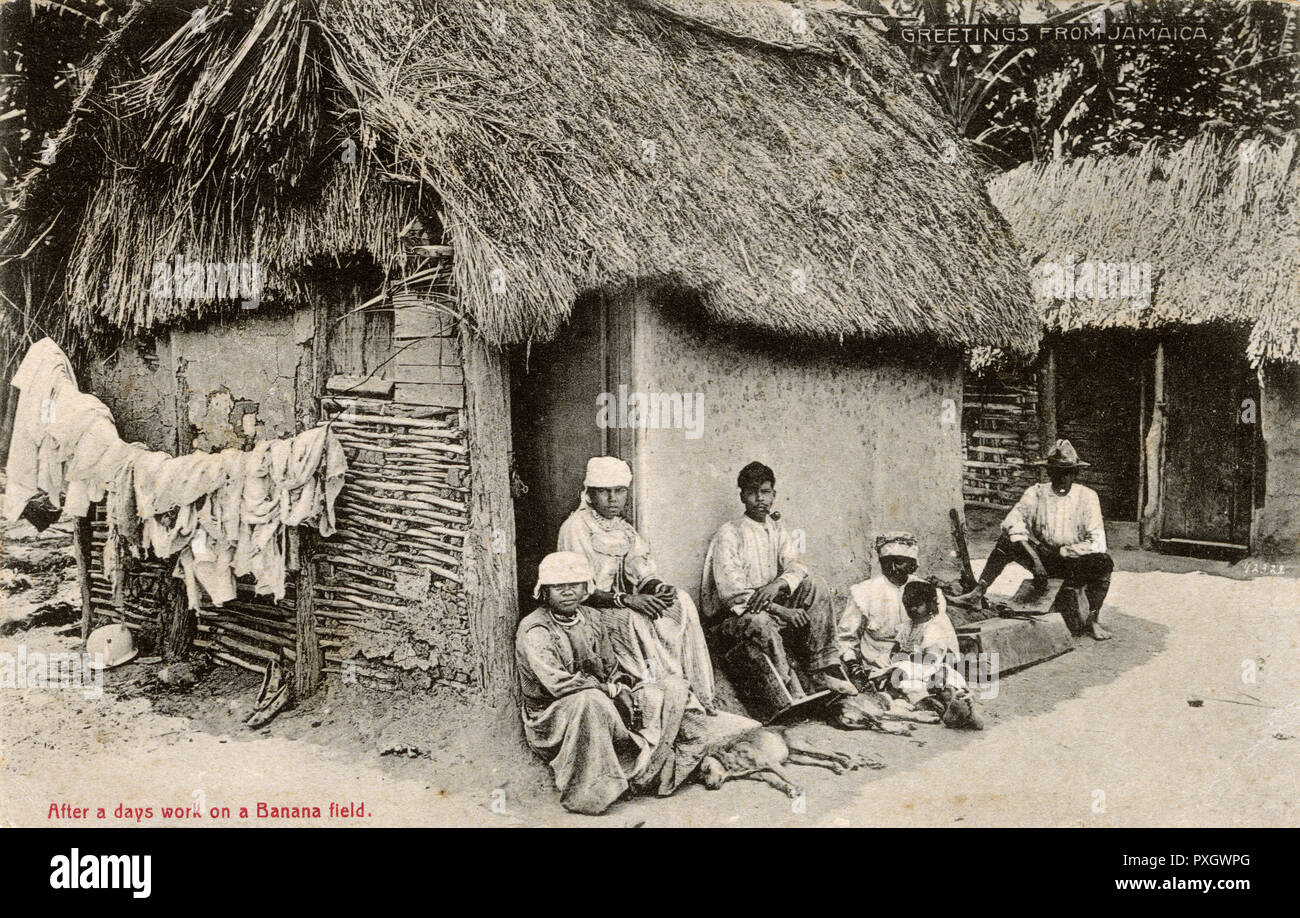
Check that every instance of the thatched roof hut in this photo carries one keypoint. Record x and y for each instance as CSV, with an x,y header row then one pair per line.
x,y
1217,222
715,146
1183,395
690,192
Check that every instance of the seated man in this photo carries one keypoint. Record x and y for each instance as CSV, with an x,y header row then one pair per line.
x,y
761,601
661,633
1055,529
873,616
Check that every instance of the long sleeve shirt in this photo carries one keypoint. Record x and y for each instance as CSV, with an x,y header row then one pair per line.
x,y
745,555
1071,524
873,620
555,659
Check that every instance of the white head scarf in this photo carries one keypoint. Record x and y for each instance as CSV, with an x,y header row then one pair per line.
x,y
605,472
563,567
897,545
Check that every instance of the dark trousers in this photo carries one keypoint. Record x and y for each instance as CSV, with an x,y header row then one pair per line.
x,y
1091,572
748,638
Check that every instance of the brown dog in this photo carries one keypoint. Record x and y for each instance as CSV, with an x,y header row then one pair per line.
x,y
759,754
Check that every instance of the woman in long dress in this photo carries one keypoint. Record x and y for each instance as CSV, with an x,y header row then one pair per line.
x,y
601,729
660,633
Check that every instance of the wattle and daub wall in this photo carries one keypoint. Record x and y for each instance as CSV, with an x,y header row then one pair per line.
x,y
388,588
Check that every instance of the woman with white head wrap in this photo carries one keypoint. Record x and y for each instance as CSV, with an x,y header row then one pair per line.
x,y
662,633
601,729
873,616
576,715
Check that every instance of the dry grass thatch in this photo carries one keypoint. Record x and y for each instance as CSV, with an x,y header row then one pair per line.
x,y
799,180
1217,223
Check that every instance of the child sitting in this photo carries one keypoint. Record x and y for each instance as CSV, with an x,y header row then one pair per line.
x,y
922,669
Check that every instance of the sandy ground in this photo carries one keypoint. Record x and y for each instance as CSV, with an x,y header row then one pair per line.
x,y
1102,736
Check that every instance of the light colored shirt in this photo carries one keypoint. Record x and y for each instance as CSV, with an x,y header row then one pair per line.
x,y
873,619
1070,523
936,636
743,556
618,555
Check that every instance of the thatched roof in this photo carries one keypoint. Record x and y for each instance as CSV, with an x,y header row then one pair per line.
x,y
1216,221
799,179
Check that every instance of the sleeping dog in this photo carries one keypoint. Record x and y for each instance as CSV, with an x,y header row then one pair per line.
x,y
759,754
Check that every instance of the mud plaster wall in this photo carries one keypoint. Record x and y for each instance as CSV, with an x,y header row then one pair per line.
x,y
138,384
860,438
1277,525
238,381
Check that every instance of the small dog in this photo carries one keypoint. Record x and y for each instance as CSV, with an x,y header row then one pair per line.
x,y
877,711
759,754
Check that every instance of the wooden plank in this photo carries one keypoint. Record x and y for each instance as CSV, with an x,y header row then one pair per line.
x,y
421,321
1020,642
359,385
430,375
446,396
419,352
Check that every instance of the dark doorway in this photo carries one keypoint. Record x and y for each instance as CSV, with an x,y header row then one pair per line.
x,y
555,387
1098,408
1212,405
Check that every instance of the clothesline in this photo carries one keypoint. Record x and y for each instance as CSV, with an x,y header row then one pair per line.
x,y
221,515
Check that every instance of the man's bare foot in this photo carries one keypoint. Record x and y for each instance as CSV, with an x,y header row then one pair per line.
x,y
970,598
833,678
1098,632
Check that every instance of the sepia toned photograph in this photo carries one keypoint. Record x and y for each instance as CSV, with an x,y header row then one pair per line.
x,y
650,413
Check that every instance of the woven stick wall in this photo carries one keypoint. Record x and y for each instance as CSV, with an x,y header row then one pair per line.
x,y
249,631
145,589
391,579
999,437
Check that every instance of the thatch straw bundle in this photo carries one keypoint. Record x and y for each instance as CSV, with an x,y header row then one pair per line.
x,y
796,177
1217,222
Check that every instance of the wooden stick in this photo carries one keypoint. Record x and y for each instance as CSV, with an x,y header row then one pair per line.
x,y
81,548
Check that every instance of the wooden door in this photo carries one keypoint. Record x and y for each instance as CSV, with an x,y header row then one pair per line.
x,y
1212,406
555,388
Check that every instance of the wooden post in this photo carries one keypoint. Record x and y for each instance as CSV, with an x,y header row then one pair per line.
x,y
312,337
963,550
490,575
180,624
1154,452
307,667
1047,399
81,549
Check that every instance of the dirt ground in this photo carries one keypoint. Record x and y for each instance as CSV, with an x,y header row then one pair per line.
x,y
1102,736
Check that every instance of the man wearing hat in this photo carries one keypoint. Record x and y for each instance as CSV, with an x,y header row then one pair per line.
x,y
1055,530
874,617
661,633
